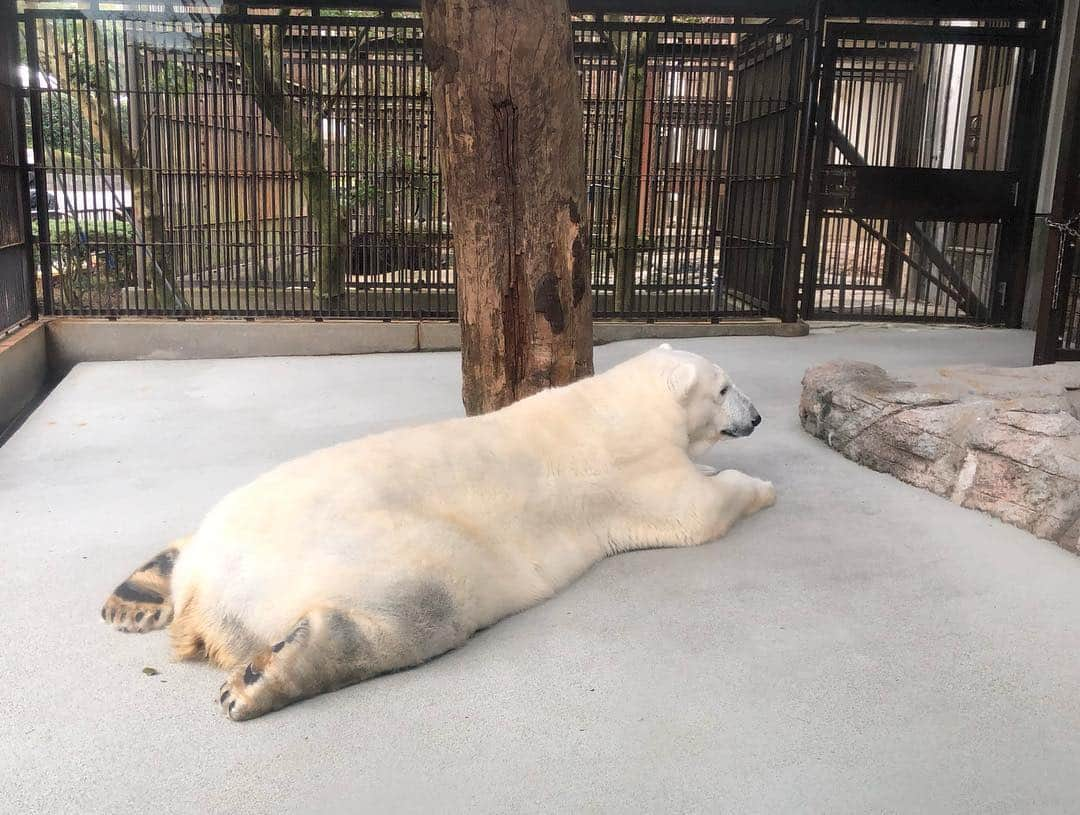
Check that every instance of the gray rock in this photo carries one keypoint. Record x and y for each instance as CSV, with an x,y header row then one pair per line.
x,y
1002,440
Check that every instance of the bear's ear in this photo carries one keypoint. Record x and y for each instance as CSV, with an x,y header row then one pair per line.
x,y
665,347
682,380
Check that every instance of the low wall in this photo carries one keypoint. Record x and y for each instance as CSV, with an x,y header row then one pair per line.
x,y
46,350
74,340
23,371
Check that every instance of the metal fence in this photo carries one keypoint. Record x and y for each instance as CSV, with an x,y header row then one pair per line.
x,y
1066,269
285,165
282,163
924,170
16,302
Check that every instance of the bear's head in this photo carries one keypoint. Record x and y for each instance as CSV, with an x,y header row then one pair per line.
x,y
715,408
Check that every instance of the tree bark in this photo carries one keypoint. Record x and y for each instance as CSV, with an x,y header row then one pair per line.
x,y
508,120
632,50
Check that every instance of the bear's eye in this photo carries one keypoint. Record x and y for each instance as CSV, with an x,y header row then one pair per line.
x,y
724,390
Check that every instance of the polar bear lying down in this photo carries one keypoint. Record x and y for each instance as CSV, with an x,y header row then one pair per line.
x,y
381,553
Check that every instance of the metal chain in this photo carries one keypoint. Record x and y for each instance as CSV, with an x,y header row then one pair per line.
x,y
1070,229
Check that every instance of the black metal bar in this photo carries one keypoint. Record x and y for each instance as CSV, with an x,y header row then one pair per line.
x,y
666,8
945,9
965,9
1032,114
970,299
803,159
882,238
1059,296
948,35
821,147
711,213
40,185
24,194
902,147
925,193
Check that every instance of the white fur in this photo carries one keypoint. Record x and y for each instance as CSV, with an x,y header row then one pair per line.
x,y
500,510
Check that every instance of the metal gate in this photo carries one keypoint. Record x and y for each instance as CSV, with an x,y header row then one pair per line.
x,y
924,173
768,70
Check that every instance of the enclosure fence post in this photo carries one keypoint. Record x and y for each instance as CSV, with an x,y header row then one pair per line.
x,y
1031,114
802,156
1061,246
34,89
20,164
817,146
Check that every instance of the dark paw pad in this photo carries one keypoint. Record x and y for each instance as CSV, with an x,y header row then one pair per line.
x,y
125,613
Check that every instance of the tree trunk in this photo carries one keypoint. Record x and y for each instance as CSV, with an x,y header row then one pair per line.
x,y
262,62
508,121
99,110
632,49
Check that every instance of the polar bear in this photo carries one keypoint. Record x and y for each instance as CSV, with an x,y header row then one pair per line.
x,y
381,553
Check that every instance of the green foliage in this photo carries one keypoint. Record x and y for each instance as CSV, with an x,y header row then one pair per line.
x,y
382,181
63,126
356,195
93,259
173,77
62,47
66,40
92,230
66,132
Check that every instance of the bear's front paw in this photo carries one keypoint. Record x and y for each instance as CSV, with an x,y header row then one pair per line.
x,y
766,495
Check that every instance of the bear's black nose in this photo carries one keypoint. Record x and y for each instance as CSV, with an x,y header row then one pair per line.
x,y
756,421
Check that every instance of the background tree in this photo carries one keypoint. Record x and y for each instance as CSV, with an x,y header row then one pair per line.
x,y
509,127
262,60
65,130
102,116
632,50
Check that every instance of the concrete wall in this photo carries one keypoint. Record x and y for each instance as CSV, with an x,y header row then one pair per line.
x,y
71,341
447,336
23,371
82,340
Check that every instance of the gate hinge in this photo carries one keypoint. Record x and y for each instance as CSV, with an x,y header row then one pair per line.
x,y
1003,288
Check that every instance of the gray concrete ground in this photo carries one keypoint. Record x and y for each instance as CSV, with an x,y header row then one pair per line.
x,y
862,647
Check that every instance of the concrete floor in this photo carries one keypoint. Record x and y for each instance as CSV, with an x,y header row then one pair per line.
x,y
862,647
